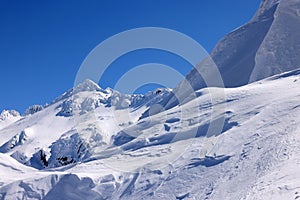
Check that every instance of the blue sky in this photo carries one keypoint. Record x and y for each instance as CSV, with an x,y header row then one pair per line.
x,y
43,43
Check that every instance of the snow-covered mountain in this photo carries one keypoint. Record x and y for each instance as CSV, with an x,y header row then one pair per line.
x,y
214,143
8,116
73,127
267,45
166,156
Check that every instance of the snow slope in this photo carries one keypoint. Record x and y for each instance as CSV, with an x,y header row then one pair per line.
x,y
267,45
166,156
74,126
214,143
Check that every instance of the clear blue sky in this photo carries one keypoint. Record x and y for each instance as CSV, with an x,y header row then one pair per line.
x,y
43,43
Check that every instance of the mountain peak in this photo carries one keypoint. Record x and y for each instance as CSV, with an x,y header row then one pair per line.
x,y
87,85
266,9
267,4
265,46
33,109
8,114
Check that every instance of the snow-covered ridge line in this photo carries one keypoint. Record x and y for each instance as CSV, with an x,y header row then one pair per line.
x,y
259,138
64,142
265,46
92,143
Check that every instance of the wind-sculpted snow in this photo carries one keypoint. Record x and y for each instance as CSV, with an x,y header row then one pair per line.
x,y
254,156
265,46
208,143
17,140
67,150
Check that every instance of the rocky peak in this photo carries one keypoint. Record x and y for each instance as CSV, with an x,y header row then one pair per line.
x,y
9,114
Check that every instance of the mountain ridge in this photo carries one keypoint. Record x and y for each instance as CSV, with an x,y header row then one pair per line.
x,y
237,142
162,152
